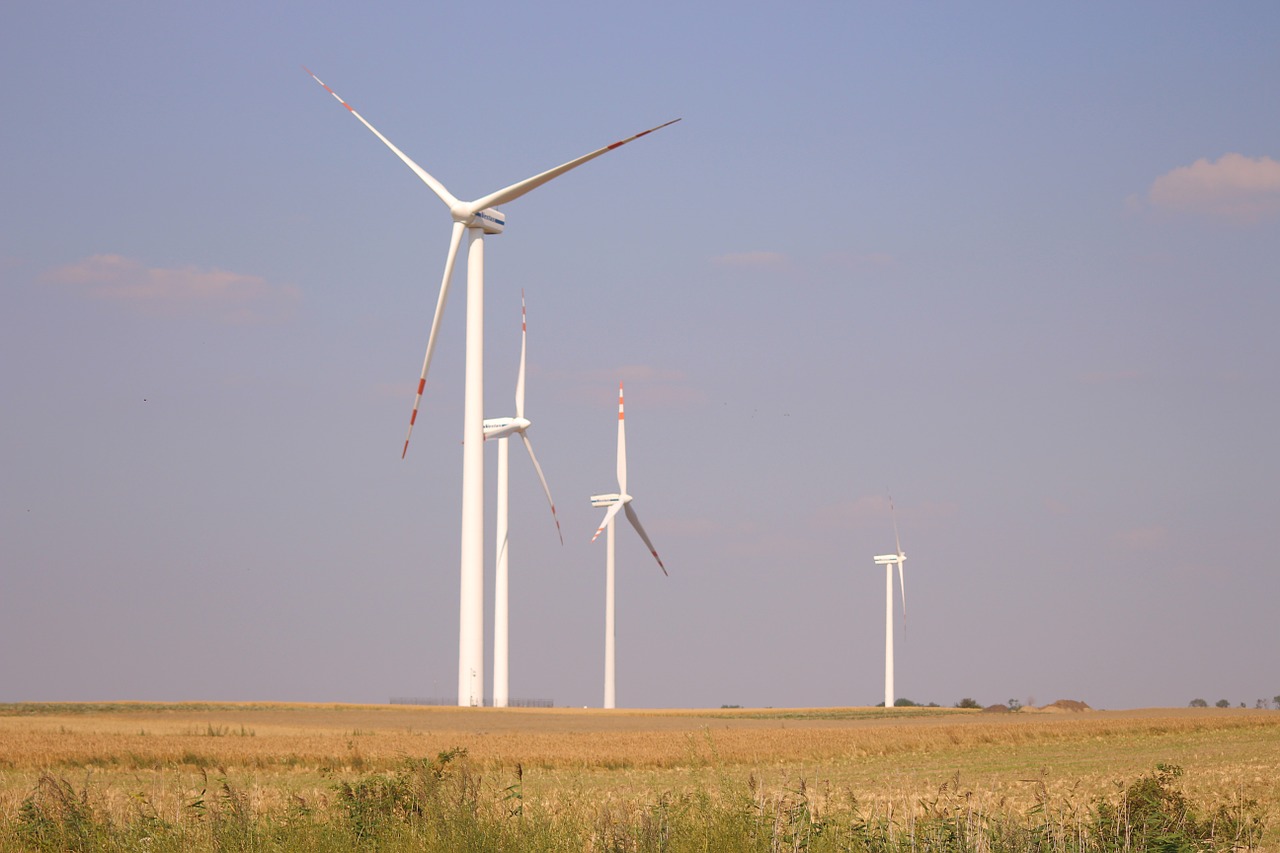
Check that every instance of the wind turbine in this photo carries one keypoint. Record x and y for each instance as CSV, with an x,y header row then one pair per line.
x,y
502,429
620,500
889,561
477,218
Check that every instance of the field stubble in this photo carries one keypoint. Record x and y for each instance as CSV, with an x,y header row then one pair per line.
x,y
888,762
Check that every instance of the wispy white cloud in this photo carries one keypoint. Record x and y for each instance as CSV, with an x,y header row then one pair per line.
x,y
226,296
1149,538
861,261
694,528
1054,506
1233,186
861,512
639,373
1110,377
872,512
665,387
750,259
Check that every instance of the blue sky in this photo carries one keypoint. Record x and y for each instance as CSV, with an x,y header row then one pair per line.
x,y
1014,263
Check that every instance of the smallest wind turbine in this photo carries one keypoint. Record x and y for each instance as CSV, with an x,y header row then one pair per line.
x,y
889,561
615,502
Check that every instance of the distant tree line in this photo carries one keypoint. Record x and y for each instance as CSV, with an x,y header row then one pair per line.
x,y
1259,704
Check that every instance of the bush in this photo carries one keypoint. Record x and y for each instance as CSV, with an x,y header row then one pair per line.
x,y
56,817
1154,815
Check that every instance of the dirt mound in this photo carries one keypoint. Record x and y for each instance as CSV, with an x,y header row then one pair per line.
x,y
1062,706
1068,705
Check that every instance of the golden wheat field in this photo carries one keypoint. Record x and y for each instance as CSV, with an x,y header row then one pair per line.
x,y
886,760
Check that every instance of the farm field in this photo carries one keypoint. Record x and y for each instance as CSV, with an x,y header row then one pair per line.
x,y
190,765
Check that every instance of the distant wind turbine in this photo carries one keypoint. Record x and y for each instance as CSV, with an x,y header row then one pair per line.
x,y
889,561
502,429
615,502
477,218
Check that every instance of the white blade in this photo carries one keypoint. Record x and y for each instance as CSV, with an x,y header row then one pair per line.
x,y
609,514
455,240
622,445
502,549
529,447
436,186
635,522
524,325
903,586
514,191
897,544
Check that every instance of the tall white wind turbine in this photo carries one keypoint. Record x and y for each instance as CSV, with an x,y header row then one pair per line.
x,y
502,429
620,500
477,218
889,561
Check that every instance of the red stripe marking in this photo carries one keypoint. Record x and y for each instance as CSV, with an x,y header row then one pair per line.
x,y
422,383
413,417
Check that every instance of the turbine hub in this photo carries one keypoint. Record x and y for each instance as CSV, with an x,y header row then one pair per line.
x,y
490,220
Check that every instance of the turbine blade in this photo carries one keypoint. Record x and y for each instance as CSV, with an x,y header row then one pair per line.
x,y
902,584
516,190
502,549
524,325
622,445
897,544
455,240
436,187
635,522
609,514
545,488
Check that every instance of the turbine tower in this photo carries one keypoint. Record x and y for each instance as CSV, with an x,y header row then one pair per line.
x,y
889,561
620,500
476,218
502,429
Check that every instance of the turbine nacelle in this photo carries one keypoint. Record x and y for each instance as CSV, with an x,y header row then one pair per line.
x,y
490,220
503,427
609,500
889,559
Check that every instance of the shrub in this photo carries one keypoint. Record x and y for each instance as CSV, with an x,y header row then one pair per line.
x,y
1154,815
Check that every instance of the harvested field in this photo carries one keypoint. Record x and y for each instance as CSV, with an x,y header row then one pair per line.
x,y
887,761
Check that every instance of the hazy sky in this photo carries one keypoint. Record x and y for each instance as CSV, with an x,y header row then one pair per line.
x,y
1015,263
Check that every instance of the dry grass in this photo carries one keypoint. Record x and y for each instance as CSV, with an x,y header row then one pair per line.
x,y
884,760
